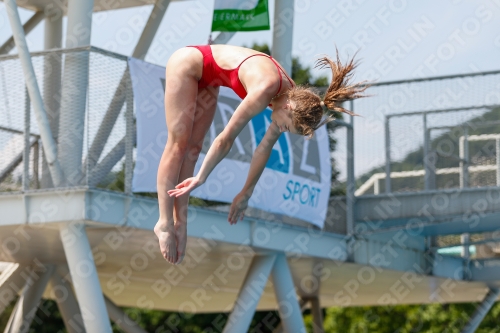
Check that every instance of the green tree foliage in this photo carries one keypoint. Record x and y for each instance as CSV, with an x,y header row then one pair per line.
x,y
429,318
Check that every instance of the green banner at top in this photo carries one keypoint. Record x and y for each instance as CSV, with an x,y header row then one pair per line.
x,y
240,15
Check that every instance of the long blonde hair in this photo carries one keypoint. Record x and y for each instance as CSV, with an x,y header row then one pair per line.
x,y
309,111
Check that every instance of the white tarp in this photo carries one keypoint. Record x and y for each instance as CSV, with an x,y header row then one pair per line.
x,y
296,181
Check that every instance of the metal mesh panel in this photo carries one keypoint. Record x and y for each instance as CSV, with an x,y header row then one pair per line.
x,y
11,148
106,109
105,103
398,108
478,160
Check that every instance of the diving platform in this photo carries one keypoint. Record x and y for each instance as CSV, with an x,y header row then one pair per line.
x,y
370,269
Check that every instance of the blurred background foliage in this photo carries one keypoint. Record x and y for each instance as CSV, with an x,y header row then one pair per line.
x,y
429,318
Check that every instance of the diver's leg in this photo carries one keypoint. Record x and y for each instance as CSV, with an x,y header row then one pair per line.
x,y
205,109
181,90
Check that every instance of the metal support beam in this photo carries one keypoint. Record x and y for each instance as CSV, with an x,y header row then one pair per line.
x,y
284,288
497,146
15,162
257,276
25,309
27,27
317,315
464,158
121,319
430,159
74,91
106,127
387,155
121,92
223,38
481,311
109,161
302,302
52,80
36,157
465,240
283,33
84,276
63,293
351,180
48,142
27,143
11,283
149,31
129,138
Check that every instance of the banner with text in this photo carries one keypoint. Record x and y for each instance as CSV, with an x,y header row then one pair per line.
x,y
240,15
295,182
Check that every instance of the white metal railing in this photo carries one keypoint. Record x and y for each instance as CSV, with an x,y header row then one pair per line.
x,y
375,178
463,170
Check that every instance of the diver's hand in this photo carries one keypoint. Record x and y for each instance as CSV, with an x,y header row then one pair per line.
x,y
238,207
185,187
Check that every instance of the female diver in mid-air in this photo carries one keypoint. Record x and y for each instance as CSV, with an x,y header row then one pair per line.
x,y
193,77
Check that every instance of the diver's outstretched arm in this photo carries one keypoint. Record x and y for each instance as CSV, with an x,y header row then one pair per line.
x,y
257,165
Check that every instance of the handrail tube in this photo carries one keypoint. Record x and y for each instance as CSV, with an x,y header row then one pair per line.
x,y
415,113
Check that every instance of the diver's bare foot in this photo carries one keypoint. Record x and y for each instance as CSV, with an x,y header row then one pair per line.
x,y
167,240
181,236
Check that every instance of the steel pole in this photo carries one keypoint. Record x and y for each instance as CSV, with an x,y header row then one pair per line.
x,y
27,143
84,276
149,31
63,293
121,319
48,142
387,156
25,309
302,303
27,27
284,288
430,159
52,81
74,90
283,33
464,158
12,281
498,160
317,315
223,38
481,311
351,182
129,137
465,240
108,162
244,308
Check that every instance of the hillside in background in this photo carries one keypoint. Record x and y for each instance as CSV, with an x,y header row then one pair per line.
x,y
447,145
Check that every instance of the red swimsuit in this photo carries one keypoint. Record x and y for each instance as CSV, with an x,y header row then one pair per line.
x,y
215,76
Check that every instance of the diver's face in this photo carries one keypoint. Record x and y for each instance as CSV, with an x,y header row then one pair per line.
x,y
282,116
